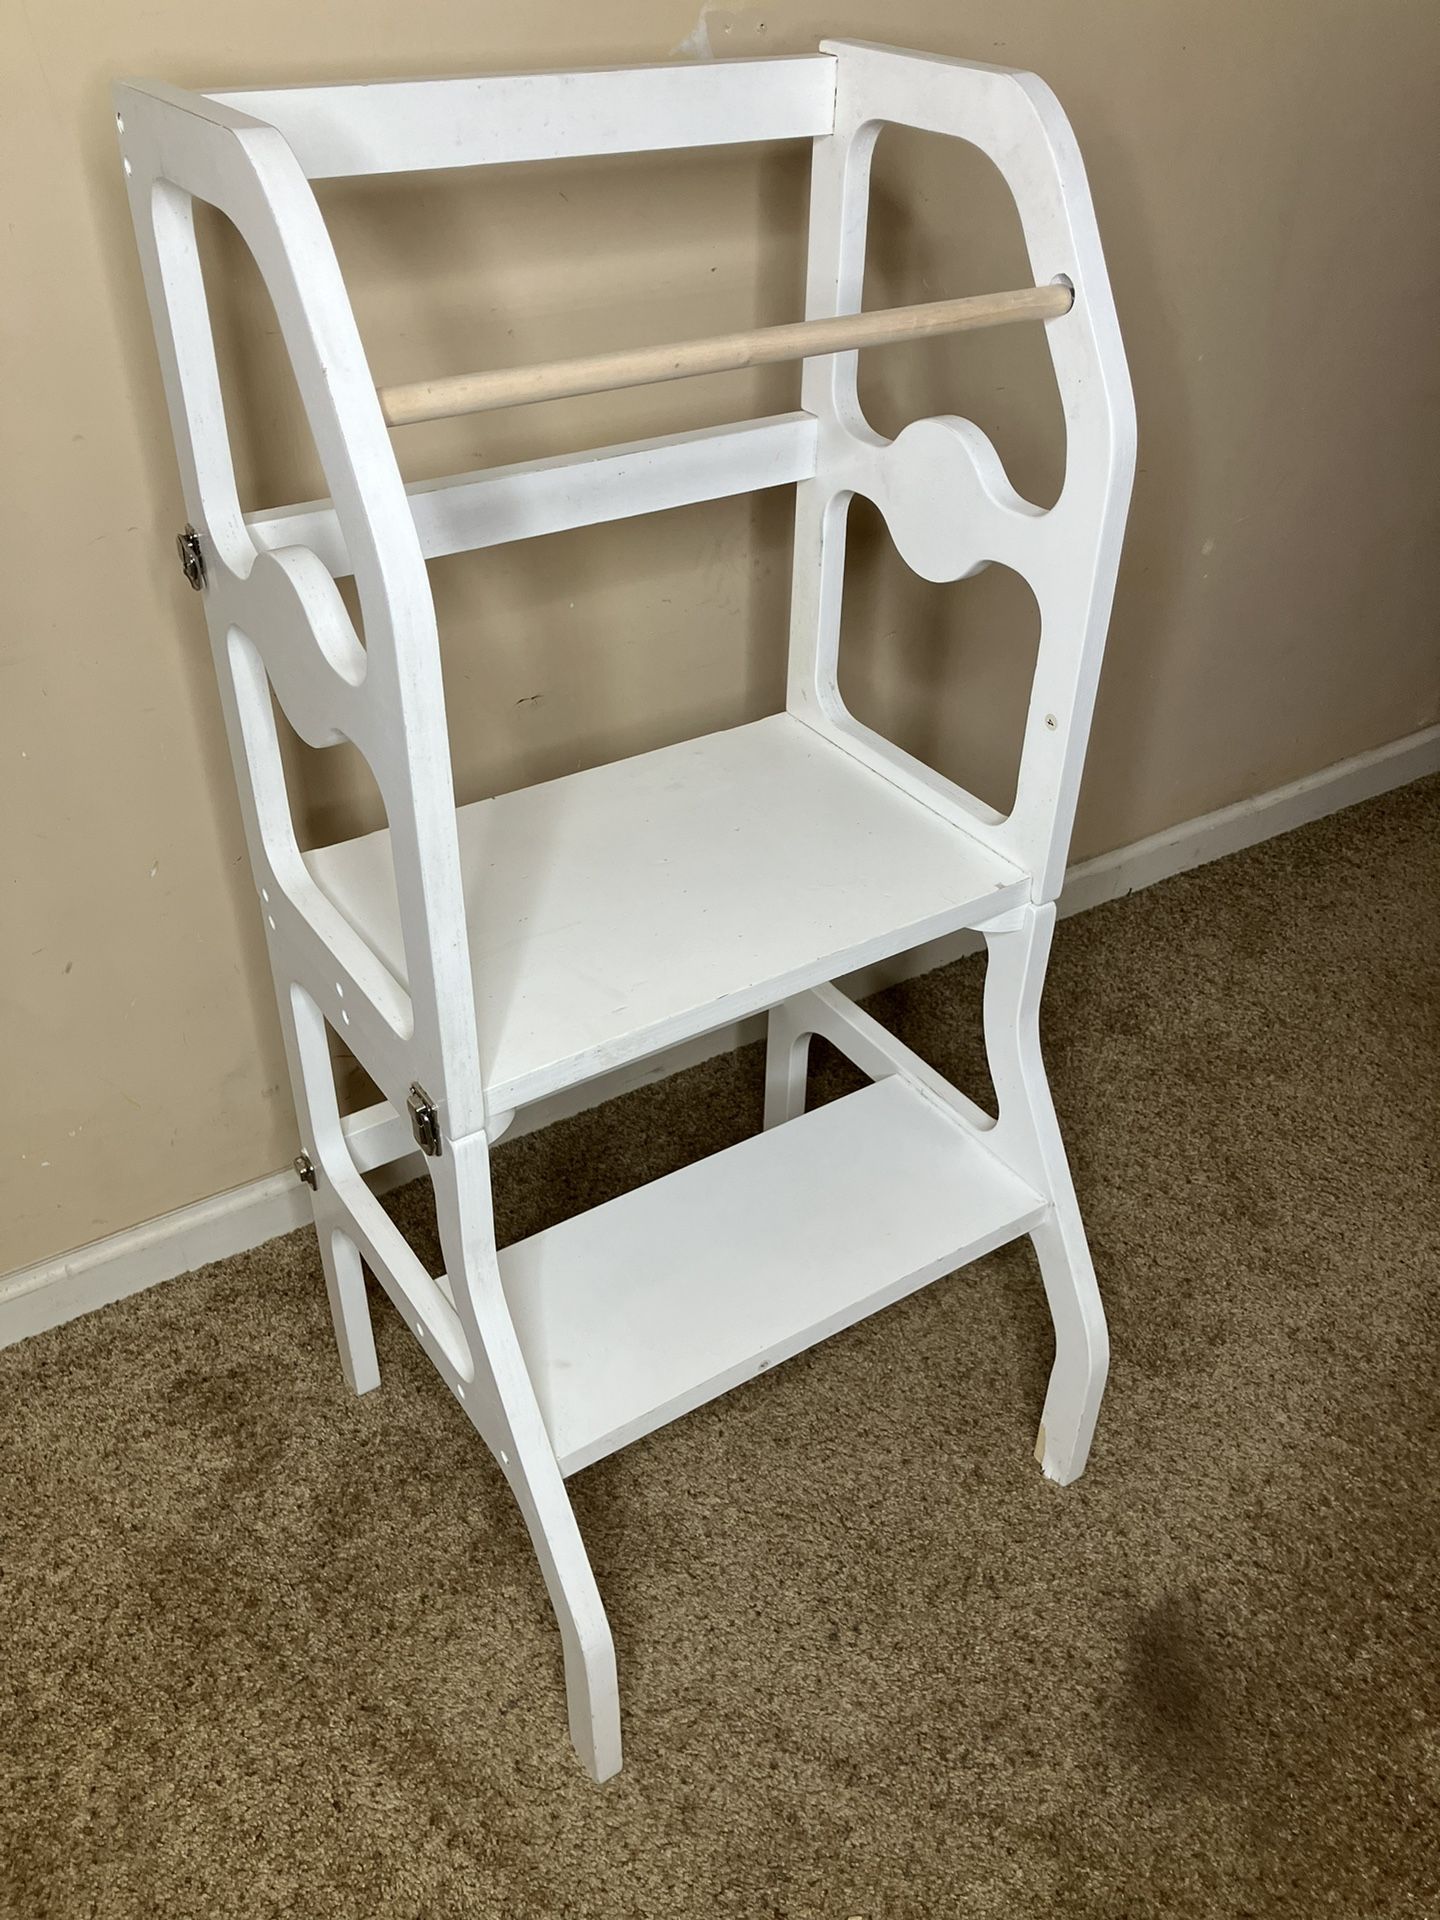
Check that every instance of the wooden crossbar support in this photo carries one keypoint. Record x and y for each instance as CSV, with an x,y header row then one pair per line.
x,y
493,505
458,393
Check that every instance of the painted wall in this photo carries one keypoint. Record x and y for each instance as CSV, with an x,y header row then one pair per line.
x,y
1266,188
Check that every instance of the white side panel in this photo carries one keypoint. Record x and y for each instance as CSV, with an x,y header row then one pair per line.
x,y
281,633
940,483
406,126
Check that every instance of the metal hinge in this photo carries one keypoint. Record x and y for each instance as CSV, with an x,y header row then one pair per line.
x,y
305,1170
192,560
424,1121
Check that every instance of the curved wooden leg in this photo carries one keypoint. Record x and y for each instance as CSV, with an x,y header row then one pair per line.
x,y
1082,1344
318,1114
502,1405
787,1057
592,1683
349,1309
473,1347
1028,1135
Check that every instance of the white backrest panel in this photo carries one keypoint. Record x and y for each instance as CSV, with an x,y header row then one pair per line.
x,y
405,126
940,483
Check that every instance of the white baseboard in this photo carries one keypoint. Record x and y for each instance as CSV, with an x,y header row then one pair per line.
x,y
54,1291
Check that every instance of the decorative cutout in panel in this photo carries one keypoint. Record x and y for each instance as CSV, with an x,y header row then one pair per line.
x,y
270,440
943,225
942,670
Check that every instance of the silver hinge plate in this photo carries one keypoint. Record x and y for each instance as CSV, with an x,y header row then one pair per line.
x,y
424,1121
305,1170
192,560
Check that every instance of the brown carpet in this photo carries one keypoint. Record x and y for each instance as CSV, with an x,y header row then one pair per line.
x,y
268,1649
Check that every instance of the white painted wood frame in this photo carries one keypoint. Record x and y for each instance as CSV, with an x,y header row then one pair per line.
x,y
482,959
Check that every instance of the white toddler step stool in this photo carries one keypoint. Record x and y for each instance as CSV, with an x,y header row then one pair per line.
x,y
479,958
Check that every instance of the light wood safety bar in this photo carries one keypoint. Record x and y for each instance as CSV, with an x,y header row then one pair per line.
x,y
459,393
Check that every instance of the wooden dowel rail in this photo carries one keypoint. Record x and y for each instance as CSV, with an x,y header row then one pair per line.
x,y
458,393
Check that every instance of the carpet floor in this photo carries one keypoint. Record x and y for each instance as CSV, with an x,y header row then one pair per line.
x,y
271,1649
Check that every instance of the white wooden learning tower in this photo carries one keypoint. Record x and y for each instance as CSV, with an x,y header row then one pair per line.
x,y
480,958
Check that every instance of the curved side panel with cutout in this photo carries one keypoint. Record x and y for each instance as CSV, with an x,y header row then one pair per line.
x,y
384,695
940,483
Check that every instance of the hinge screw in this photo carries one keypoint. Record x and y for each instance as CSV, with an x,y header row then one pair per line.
x,y
305,1171
424,1121
192,560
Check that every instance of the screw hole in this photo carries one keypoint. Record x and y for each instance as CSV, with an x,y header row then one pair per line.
x,y
1051,722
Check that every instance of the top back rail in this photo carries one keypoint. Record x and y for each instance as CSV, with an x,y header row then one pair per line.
x,y
504,119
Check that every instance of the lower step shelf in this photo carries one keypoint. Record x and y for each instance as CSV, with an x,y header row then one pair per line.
x,y
645,1308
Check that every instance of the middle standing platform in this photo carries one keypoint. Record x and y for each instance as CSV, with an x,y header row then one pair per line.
x,y
639,904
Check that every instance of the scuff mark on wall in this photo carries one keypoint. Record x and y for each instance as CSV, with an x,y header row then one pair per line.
x,y
696,44
716,25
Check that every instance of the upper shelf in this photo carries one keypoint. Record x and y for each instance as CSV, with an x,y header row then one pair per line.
x,y
637,905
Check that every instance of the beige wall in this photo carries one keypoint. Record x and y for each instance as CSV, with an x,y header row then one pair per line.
x,y
1266,186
